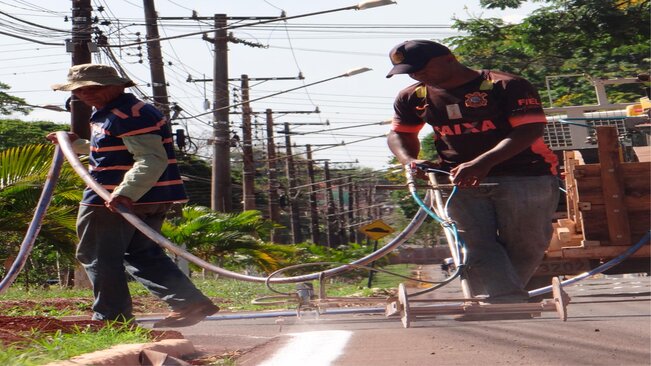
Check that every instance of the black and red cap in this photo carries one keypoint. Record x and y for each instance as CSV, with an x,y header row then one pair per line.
x,y
411,56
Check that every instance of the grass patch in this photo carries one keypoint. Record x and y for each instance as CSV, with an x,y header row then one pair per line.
x,y
61,346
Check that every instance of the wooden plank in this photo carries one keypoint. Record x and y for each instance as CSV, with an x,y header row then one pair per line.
x,y
633,183
612,179
638,182
632,203
643,153
595,224
594,170
570,163
603,252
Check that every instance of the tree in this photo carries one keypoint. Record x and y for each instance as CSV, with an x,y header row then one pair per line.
x,y
10,104
596,38
14,132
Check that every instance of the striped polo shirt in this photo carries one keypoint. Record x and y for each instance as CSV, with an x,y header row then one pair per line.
x,y
109,158
471,119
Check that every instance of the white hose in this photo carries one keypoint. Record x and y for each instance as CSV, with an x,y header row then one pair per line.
x,y
66,147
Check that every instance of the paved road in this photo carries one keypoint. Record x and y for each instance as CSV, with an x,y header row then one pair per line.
x,y
609,323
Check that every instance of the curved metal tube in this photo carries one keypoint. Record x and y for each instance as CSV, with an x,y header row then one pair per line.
x,y
35,225
70,155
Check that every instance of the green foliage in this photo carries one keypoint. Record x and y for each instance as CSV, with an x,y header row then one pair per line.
x,y
227,238
596,38
15,133
23,171
310,252
10,104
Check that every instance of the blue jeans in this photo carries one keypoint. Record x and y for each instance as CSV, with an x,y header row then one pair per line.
x,y
507,229
109,245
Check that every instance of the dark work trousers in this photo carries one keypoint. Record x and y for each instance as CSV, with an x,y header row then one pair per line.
x,y
506,228
109,245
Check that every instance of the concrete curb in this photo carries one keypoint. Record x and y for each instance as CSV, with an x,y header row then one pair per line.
x,y
129,354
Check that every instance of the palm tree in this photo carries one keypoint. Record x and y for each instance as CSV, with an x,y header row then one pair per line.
x,y
229,239
23,170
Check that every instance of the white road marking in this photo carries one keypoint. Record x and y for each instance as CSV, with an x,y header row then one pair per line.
x,y
311,348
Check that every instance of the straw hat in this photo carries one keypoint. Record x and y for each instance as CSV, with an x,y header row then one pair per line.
x,y
92,74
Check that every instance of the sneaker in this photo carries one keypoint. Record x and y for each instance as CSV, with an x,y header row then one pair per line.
x,y
188,316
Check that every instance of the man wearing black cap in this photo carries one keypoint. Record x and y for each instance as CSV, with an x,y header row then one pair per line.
x,y
488,127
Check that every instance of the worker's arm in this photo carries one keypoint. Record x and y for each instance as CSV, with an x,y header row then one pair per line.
x,y
472,172
150,161
404,145
79,146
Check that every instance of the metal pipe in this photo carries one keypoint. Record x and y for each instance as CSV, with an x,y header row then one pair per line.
x,y
35,225
278,314
72,158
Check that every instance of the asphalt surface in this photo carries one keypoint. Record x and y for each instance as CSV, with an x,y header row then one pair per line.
x,y
609,323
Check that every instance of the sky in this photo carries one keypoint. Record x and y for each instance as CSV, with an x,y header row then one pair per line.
x,y
319,47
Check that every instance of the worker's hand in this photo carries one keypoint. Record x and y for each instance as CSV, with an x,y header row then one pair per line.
x,y
52,136
468,174
418,168
117,200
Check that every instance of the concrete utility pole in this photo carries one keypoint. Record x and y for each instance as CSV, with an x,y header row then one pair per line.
x,y
274,207
81,31
80,112
297,235
341,218
314,213
351,213
248,174
221,198
332,230
155,57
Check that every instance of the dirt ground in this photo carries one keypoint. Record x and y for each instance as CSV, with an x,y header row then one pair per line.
x,y
17,331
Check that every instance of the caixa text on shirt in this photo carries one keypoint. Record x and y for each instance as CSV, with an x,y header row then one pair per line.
x,y
465,128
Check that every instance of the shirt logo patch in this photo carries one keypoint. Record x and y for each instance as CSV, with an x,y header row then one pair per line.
x,y
476,100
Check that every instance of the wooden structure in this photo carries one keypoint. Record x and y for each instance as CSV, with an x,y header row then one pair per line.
x,y
413,308
608,204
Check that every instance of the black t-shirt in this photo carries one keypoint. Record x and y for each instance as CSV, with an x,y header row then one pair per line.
x,y
472,118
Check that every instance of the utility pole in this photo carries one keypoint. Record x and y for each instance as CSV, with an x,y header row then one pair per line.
x,y
341,218
351,203
332,238
248,174
297,235
81,31
221,197
314,213
80,112
156,66
274,207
